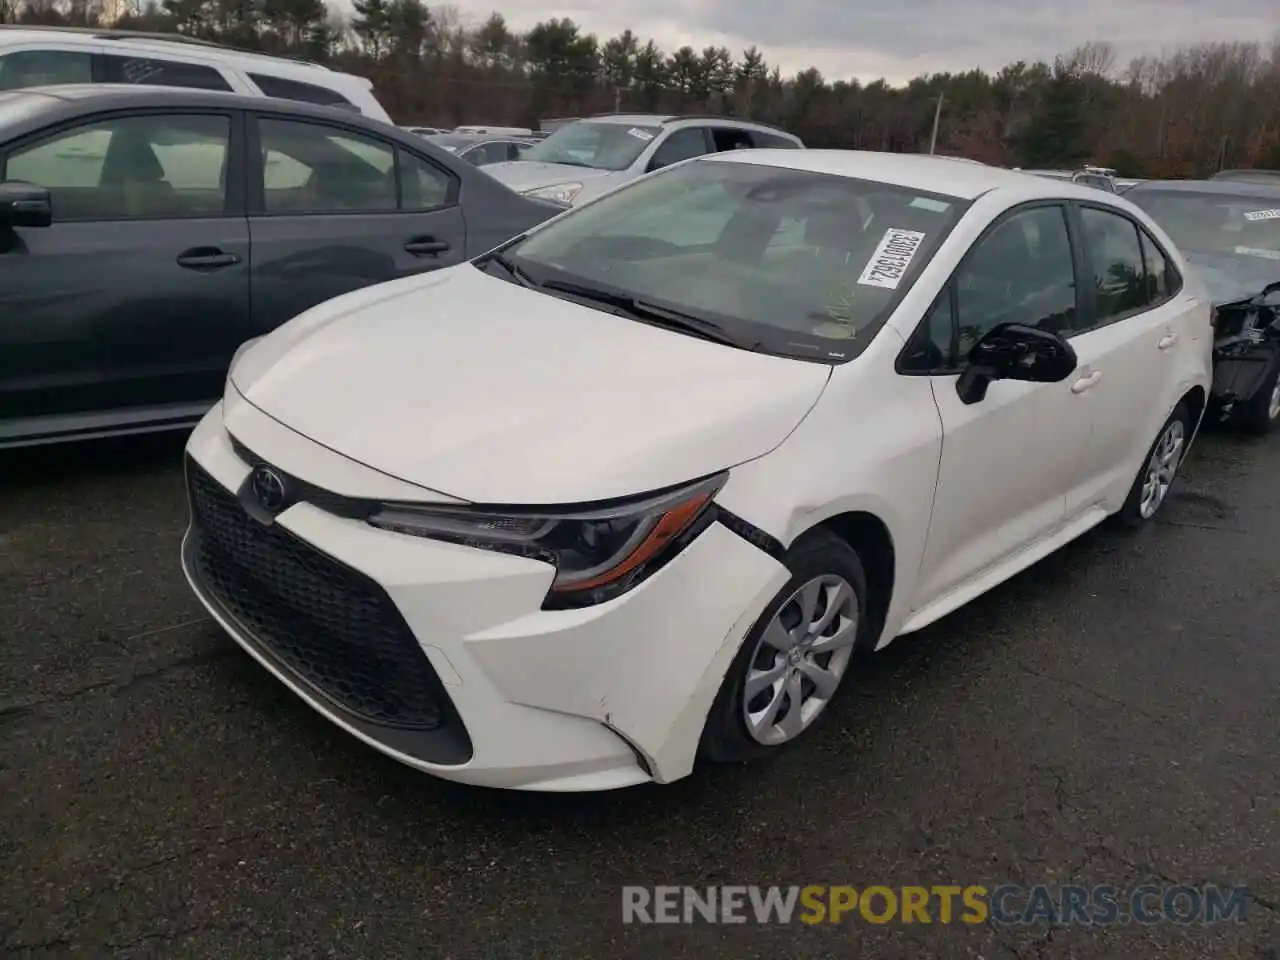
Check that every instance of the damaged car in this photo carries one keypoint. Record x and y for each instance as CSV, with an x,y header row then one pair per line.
x,y
1229,230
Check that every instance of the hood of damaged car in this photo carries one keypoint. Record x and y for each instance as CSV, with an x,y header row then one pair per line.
x,y
1231,278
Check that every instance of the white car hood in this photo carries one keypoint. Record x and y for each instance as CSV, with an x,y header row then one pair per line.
x,y
522,175
474,387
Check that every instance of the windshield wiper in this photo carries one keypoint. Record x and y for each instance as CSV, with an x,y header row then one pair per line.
x,y
517,273
650,313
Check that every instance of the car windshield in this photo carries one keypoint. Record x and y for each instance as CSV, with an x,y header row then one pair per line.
x,y
602,146
1234,224
785,261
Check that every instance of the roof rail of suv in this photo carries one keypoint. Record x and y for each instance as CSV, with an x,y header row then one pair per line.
x,y
673,118
157,37
197,42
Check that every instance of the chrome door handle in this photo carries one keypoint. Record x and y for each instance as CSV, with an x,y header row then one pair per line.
x,y
1168,340
1084,383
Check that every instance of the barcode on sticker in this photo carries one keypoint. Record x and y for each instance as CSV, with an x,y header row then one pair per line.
x,y
1263,214
891,258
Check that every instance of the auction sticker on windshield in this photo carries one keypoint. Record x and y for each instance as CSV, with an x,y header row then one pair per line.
x,y
640,134
891,258
1273,214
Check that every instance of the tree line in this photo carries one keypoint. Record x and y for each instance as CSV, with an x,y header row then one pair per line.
x,y
1186,114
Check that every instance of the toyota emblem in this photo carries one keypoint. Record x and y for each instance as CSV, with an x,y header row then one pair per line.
x,y
268,488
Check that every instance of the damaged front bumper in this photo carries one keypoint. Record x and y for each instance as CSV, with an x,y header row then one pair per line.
x,y
1246,351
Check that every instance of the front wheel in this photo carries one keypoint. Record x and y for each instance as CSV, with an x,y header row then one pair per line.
x,y
1151,487
795,656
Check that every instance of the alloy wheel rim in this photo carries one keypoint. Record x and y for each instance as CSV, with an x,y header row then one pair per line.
x,y
1162,467
800,659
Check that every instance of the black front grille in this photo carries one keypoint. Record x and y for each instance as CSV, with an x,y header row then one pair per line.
x,y
330,625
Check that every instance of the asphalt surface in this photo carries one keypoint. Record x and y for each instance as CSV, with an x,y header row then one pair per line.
x,y
1112,716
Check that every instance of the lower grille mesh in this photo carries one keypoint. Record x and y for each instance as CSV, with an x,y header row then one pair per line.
x,y
331,625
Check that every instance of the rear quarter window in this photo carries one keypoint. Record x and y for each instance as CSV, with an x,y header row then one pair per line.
x,y
282,89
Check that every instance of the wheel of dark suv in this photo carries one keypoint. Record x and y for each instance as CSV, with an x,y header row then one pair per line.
x,y
1151,487
795,656
1260,414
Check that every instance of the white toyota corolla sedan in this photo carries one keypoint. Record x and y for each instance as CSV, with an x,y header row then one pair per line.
x,y
634,489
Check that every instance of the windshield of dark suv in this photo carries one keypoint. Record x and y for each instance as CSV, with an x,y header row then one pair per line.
x,y
1237,224
601,146
790,262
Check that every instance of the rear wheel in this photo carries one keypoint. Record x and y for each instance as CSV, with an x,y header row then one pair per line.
x,y
795,657
1151,487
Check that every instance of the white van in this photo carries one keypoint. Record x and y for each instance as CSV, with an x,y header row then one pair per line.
x,y
32,56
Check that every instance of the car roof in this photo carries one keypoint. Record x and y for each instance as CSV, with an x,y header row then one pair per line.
x,y
30,108
915,171
631,119
1247,173
126,95
165,43
1226,188
666,119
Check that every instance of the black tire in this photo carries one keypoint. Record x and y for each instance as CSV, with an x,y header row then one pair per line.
x,y
1255,416
725,738
1130,515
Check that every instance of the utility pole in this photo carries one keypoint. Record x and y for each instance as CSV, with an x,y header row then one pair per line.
x,y
617,99
937,115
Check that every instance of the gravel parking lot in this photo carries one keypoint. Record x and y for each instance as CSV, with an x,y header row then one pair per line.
x,y
1111,716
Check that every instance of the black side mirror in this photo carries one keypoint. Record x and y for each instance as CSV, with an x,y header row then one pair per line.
x,y
1013,351
24,204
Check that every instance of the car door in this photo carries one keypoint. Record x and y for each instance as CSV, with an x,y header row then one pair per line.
x,y
1124,353
1010,460
137,294
334,208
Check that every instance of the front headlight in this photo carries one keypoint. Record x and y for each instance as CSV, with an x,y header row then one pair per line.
x,y
598,551
560,192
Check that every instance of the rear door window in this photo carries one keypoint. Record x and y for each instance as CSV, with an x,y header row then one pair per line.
x,y
1162,278
152,71
1119,270
771,141
731,138
311,168
680,145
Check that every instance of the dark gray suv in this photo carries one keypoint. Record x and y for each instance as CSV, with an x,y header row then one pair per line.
x,y
145,233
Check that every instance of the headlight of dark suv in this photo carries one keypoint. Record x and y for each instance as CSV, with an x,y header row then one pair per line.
x,y
599,550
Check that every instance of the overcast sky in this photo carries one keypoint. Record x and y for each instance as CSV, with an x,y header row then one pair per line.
x,y
900,39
